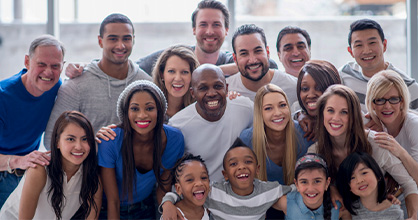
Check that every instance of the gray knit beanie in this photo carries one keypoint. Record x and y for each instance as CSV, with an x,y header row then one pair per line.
x,y
139,85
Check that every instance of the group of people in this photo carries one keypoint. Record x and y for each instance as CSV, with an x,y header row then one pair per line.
x,y
229,132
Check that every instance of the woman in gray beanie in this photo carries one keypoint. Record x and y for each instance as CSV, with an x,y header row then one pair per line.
x,y
139,155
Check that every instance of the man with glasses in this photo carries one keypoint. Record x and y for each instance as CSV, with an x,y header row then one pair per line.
x,y
367,45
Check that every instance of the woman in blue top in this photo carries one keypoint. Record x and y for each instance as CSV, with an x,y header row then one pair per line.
x,y
140,154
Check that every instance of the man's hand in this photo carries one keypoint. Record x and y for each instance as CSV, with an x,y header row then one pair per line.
x,y
74,70
30,160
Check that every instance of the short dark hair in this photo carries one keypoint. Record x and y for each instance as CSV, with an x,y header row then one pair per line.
x,y
115,18
237,143
248,29
211,4
292,30
345,172
364,24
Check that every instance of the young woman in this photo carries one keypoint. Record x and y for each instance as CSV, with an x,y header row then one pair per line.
x,y
340,133
362,186
274,138
173,74
387,100
138,157
314,78
68,184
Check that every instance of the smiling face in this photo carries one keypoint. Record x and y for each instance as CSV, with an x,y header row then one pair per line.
x,y
389,114
117,43
309,94
294,52
44,69
336,116
364,182
210,30
276,112
142,113
209,90
311,184
177,76
240,170
367,48
73,145
252,56
193,183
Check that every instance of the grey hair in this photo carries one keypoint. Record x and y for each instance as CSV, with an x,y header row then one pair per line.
x,y
45,40
139,85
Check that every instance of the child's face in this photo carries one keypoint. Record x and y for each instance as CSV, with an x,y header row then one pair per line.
x,y
311,184
73,145
240,170
193,183
363,182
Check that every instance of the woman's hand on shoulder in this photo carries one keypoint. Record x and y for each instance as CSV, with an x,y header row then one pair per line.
x,y
106,133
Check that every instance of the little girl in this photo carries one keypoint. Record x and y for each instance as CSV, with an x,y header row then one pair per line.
x,y
67,188
191,179
362,185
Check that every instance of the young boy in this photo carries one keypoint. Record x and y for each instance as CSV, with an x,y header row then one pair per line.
x,y
241,195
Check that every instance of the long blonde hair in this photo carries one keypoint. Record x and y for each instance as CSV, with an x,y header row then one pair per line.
x,y
260,138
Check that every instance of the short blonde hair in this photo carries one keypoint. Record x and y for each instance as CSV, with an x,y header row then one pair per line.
x,y
260,139
380,84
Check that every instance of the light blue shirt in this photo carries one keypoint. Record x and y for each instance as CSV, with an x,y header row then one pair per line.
x,y
296,209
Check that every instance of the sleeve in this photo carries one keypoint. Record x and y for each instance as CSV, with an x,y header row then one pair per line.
x,y
147,63
169,196
312,148
247,137
391,164
175,147
108,153
273,64
413,137
68,98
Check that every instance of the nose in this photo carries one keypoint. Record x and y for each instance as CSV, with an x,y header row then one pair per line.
x,y
367,49
77,145
142,113
295,52
209,30
252,58
177,76
387,104
48,70
120,45
211,92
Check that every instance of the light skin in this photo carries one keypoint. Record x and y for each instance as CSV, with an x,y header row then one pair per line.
x,y
336,117
293,53
312,184
390,114
368,49
252,59
209,89
177,78
117,42
193,184
74,149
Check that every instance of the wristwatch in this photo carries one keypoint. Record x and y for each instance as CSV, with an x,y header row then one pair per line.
x,y
9,169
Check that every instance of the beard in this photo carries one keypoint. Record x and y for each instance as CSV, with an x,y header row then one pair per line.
x,y
244,73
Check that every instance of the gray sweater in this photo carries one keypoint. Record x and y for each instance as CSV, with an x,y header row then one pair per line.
x,y
94,94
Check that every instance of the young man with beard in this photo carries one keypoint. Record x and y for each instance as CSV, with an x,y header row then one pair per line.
x,y
26,101
213,122
96,91
251,55
293,48
367,45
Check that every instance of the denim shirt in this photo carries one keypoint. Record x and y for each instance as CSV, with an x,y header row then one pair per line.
x,y
296,209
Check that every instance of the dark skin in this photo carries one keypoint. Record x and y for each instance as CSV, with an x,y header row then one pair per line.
x,y
143,152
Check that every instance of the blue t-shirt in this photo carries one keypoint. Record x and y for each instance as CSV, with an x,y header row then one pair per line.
x,y
274,171
297,210
110,156
23,117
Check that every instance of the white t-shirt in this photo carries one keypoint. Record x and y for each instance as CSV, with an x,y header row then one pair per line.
x,y
211,140
408,136
285,81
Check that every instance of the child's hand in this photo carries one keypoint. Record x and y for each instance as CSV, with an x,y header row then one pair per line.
x,y
106,133
335,196
170,212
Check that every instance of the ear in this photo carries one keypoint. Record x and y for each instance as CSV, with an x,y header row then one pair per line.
x,y
192,92
226,87
226,31
385,42
27,61
257,170
327,184
296,184
194,31
268,51
235,58
100,40
178,188
225,175
350,51
280,56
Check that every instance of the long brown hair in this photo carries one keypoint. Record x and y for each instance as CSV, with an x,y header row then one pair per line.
x,y
355,139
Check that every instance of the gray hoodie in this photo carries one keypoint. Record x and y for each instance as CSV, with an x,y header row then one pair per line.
x,y
94,94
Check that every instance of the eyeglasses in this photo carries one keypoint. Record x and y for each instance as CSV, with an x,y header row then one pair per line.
x,y
391,100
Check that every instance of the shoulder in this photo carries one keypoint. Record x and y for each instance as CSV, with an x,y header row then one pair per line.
x,y
247,135
172,132
241,102
234,79
183,117
37,174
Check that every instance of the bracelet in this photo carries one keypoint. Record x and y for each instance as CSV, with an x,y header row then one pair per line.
x,y
9,169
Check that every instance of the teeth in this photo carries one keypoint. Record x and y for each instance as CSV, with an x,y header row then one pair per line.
x,y
242,175
298,60
45,79
278,120
77,154
177,86
362,187
198,192
253,67
335,126
387,113
210,39
142,122
368,58
119,53
311,195
312,104
213,103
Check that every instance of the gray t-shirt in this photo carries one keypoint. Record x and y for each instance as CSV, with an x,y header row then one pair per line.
x,y
394,212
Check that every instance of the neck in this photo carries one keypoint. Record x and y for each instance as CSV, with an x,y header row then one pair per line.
x,y
175,104
204,57
69,169
370,72
143,138
255,85
395,127
118,71
370,202
275,136
29,87
338,143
